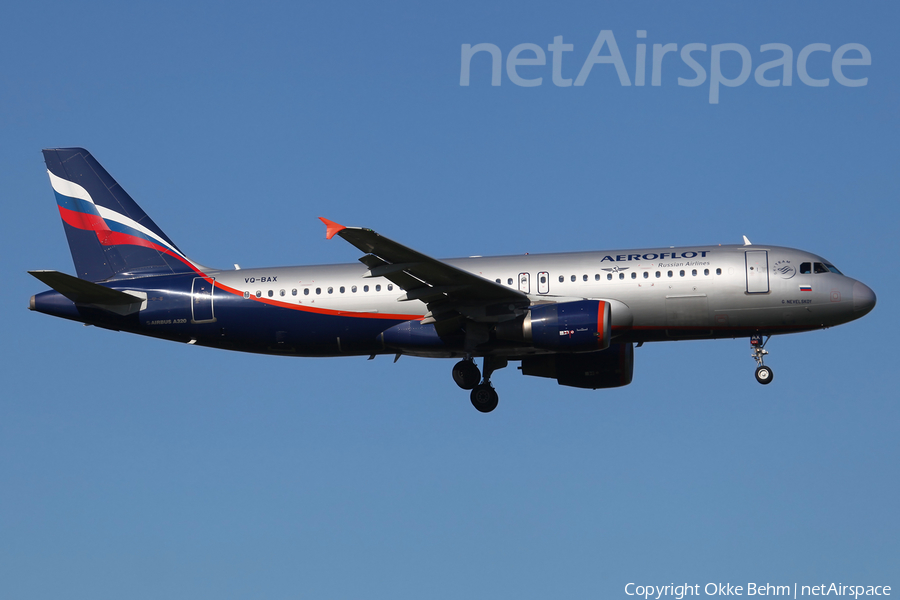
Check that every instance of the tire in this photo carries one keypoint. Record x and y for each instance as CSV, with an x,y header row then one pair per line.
x,y
466,374
764,375
484,398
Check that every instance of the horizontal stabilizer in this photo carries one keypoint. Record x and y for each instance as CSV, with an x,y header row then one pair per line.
x,y
81,291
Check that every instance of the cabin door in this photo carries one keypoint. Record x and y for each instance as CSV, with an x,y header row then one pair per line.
x,y
757,262
202,301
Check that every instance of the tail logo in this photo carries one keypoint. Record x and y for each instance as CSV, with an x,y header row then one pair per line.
x,y
77,209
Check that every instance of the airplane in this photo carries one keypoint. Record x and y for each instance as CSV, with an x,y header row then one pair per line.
x,y
573,317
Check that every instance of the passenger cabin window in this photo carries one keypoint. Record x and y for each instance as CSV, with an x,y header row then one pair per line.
x,y
271,293
561,278
718,271
584,278
805,268
318,291
342,289
378,288
669,273
390,286
573,278
621,275
646,274
246,294
706,271
597,277
306,291
258,294
281,293
365,288
294,292
658,274
331,290
509,281
681,273
609,276
353,289
694,273
634,274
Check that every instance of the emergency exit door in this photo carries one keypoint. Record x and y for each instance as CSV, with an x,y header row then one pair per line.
x,y
525,282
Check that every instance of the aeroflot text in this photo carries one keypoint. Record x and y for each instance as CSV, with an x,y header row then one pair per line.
x,y
778,70
755,589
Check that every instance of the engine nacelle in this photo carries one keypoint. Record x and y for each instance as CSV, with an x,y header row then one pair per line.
x,y
579,326
613,367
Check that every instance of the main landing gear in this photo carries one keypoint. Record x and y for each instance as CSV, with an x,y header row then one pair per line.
x,y
764,374
466,375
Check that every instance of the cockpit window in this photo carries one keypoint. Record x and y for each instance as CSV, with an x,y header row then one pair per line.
x,y
818,267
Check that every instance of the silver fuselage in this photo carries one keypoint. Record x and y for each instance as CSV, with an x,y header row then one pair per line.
x,y
698,292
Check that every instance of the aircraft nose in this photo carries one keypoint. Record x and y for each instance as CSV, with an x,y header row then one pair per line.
x,y
863,298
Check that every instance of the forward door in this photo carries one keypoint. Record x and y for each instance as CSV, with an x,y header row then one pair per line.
x,y
757,262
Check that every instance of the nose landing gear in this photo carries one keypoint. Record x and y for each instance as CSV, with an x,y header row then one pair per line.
x,y
764,374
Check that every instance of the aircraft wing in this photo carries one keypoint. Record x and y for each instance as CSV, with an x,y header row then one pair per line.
x,y
448,292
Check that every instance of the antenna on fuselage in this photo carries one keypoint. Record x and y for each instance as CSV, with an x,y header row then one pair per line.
x,y
746,241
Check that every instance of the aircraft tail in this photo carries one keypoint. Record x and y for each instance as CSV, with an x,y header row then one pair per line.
x,y
108,233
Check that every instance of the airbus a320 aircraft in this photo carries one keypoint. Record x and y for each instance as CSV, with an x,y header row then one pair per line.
x,y
573,317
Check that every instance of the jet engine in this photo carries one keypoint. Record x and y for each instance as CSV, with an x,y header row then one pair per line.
x,y
579,326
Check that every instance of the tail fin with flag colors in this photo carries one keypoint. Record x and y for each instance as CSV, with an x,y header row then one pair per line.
x,y
108,233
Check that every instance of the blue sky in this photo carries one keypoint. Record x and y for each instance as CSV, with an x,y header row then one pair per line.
x,y
137,468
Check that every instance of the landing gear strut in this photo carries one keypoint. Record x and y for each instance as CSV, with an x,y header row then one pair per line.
x,y
764,374
484,397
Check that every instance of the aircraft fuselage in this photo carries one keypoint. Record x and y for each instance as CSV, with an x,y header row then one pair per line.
x,y
697,292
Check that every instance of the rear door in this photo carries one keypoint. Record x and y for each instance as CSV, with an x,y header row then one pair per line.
x,y
202,300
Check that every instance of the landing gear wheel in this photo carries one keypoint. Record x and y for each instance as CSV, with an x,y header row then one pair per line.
x,y
466,374
764,375
484,398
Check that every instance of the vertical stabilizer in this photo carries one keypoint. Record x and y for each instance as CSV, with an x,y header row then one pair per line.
x,y
108,233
